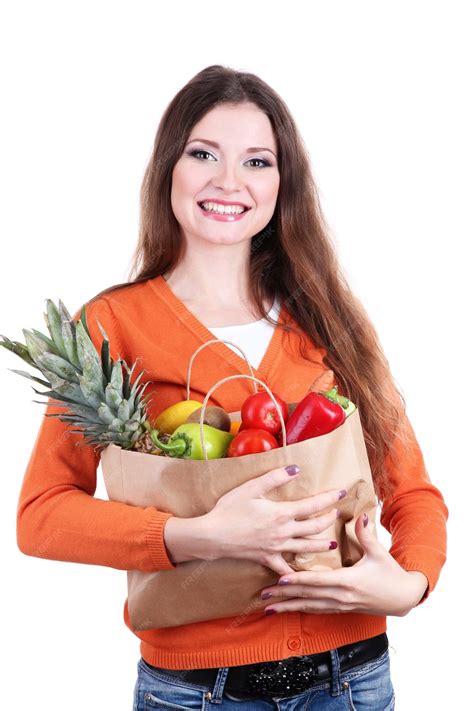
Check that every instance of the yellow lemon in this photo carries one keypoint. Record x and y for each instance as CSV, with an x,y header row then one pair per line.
x,y
175,415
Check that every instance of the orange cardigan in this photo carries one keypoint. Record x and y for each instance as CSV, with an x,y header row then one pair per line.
x,y
60,519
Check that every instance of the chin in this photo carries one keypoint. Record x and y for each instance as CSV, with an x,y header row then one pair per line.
x,y
225,239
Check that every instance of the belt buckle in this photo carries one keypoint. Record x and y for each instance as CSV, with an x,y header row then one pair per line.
x,y
286,677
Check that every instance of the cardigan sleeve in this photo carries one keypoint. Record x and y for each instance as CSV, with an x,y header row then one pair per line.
x,y
416,514
58,516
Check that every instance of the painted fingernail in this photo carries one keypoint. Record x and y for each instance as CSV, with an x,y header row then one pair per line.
x,y
342,493
292,469
338,514
270,611
366,519
265,596
283,581
332,545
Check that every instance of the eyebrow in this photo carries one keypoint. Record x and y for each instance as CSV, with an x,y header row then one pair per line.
x,y
253,149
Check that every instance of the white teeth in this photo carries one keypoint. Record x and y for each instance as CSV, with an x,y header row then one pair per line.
x,y
222,209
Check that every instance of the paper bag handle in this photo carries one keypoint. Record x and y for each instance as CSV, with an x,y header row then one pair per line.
x,y
214,340
234,377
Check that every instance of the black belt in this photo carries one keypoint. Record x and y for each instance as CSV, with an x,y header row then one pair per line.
x,y
284,677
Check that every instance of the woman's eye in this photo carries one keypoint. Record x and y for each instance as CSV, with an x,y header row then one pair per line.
x,y
199,152
260,160
195,153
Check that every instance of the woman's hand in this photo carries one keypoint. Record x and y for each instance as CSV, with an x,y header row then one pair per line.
x,y
245,524
375,585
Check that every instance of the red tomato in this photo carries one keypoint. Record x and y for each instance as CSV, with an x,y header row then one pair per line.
x,y
251,441
258,411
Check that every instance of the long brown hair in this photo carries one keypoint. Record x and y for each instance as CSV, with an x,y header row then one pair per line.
x,y
292,258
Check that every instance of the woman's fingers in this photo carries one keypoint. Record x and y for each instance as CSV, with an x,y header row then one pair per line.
x,y
277,563
308,545
320,592
318,606
312,526
313,504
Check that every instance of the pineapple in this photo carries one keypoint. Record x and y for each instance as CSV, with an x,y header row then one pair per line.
x,y
101,402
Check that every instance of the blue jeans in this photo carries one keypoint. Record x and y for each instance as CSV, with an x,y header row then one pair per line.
x,y
367,687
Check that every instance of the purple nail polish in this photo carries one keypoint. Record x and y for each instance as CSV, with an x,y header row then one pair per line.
x,y
270,611
265,596
332,545
292,469
342,493
339,514
366,519
283,582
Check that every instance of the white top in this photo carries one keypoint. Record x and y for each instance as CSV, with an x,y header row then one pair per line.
x,y
252,337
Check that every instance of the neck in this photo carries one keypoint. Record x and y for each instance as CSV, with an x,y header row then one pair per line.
x,y
212,278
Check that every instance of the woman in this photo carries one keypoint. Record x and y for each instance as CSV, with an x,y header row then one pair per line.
x,y
233,244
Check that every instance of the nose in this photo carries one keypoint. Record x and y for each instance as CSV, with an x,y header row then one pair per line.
x,y
228,178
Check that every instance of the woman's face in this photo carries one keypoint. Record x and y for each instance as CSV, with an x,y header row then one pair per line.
x,y
230,157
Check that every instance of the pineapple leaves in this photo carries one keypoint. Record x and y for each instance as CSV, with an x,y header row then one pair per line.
x,y
105,413
96,393
68,392
92,395
68,335
59,366
18,348
84,320
31,377
64,313
127,381
36,346
123,412
105,355
89,360
116,379
112,396
53,321
47,341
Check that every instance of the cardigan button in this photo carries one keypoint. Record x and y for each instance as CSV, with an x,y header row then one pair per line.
x,y
294,643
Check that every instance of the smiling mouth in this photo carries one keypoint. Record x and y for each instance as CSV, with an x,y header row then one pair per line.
x,y
223,212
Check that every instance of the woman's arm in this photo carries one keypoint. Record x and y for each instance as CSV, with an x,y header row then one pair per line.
x,y
415,516
382,582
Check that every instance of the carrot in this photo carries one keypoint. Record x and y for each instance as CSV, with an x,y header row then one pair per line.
x,y
323,382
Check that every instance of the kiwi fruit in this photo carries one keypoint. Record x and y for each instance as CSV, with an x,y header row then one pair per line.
x,y
214,416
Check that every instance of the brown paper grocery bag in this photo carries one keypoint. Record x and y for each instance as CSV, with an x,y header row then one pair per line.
x,y
211,589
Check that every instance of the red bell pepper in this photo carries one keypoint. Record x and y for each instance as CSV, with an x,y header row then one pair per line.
x,y
315,415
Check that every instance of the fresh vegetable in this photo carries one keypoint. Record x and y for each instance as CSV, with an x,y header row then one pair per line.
x,y
349,409
251,441
315,415
343,401
323,383
235,426
185,442
176,415
259,412
214,416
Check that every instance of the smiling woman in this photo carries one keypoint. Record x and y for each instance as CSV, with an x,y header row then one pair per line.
x,y
229,180
231,233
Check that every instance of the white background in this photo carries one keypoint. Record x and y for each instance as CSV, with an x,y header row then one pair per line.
x,y
381,92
